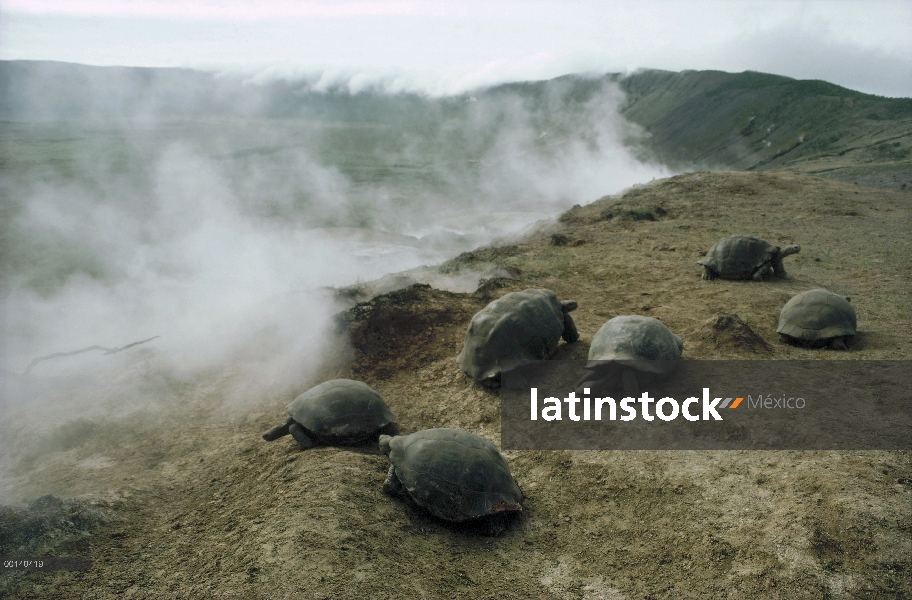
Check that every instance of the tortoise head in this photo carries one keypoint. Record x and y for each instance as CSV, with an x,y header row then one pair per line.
x,y
789,250
385,443
568,305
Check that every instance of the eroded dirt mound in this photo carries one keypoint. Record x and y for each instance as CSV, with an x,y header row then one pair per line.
x,y
727,332
403,328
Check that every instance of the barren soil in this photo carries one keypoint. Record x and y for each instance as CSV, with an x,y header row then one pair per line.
x,y
200,506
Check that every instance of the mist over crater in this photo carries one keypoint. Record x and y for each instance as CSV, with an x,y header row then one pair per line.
x,y
213,213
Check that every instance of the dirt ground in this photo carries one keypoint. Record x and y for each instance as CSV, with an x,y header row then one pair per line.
x,y
197,507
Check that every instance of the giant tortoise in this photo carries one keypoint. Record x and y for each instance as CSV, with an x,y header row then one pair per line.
x,y
520,326
341,411
745,257
817,318
628,345
455,475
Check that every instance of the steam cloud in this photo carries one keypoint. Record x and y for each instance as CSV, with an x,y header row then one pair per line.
x,y
220,234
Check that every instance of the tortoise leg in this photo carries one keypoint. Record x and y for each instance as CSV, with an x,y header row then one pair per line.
x,y
630,383
495,525
838,343
763,271
277,431
778,267
392,485
708,274
584,384
570,334
390,429
596,386
300,436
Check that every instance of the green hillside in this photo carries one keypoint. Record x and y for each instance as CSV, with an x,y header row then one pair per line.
x,y
694,119
757,121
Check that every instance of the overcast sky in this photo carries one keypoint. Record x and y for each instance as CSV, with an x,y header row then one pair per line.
x,y
451,46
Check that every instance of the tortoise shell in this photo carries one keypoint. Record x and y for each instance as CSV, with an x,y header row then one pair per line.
x,y
453,474
817,315
341,409
739,256
520,326
641,342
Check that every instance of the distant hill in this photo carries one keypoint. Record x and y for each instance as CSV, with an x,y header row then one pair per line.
x,y
694,119
757,121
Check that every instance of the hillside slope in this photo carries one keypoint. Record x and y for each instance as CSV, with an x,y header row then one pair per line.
x,y
694,119
200,506
757,121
